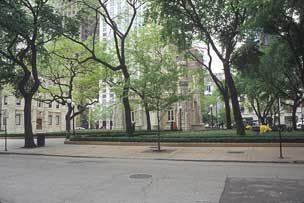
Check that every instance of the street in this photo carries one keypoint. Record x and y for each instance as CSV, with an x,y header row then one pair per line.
x,y
43,179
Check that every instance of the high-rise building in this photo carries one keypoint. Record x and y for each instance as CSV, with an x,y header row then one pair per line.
x,y
70,8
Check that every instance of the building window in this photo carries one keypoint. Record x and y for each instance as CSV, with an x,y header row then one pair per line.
x,y
133,116
50,105
5,100
209,88
104,98
57,120
170,115
39,103
112,97
18,101
39,124
57,106
18,119
50,119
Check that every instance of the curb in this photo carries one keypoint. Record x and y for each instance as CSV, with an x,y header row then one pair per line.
x,y
184,144
156,159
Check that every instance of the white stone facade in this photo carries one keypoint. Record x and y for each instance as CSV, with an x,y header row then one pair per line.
x,y
45,117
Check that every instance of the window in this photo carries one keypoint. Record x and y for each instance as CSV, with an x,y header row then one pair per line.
x,y
18,101
50,119
112,97
39,124
170,115
5,100
39,103
50,105
18,119
104,98
57,106
57,120
133,116
208,88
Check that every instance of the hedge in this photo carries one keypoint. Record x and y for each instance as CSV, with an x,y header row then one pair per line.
x,y
193,139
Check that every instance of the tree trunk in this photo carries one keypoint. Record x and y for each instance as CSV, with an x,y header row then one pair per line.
x,y
234,100
227,109
262,120
294,118
28,130
148,117
68,119
127,108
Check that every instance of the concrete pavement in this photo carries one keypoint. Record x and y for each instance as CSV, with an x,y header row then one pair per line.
x,y
41,179
56,147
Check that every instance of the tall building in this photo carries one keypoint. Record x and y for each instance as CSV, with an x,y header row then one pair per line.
x,y
70,8
121,13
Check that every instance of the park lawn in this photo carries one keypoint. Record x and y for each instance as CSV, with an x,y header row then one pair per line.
x,y
178,136
200,136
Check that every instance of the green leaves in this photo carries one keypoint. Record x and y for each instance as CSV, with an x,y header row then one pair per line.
x,y
157,72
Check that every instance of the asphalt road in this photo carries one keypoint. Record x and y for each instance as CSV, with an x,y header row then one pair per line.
x,y
41,179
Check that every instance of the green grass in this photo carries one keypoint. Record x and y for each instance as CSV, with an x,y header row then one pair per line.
x,y
179,136
201,136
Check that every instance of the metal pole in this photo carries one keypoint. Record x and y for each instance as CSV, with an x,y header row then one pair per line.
x,y
73,122
280,134
216,120
211,118
302,114
180,119
5,136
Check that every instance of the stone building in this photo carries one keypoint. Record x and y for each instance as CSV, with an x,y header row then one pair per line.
x,y
184,115
45,117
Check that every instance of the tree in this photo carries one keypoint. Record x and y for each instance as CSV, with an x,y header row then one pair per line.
x,y
64,78
120,34
25,26
266,74
218,23
162,90
150,54
285,19
199,56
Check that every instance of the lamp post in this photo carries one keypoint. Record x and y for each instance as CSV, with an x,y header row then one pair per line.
x,y
73,108
302,92
180,118
211,114
280,134
72,104
5,116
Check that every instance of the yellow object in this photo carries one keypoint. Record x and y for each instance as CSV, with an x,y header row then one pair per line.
x,y
248,127
264,129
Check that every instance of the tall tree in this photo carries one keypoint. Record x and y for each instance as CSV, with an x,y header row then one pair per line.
x,y
65,79
150,54
267,73
219,23
285,19
120,33
25,26
200,55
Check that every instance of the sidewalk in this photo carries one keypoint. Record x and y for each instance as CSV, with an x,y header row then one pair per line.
x,y
56,147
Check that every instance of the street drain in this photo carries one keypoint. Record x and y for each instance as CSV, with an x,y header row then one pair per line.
x,y
140,176
235,152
